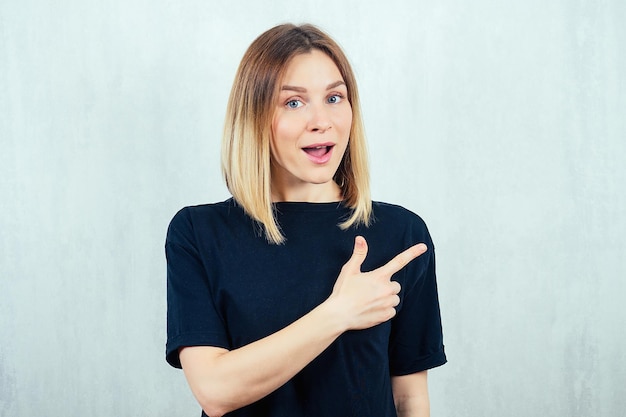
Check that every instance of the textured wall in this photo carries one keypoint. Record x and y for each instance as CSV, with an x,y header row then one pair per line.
x,y
502,123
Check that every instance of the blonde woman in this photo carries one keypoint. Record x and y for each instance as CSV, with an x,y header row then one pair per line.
x,y
299,296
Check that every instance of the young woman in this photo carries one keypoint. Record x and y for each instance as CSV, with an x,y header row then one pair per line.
x,y
299,296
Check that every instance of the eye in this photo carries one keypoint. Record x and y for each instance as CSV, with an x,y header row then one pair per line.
x,y
294,104
335,98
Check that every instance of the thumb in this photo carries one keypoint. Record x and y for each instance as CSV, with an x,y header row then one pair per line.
x,y
358,254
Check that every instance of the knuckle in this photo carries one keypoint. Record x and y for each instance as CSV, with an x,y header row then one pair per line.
x,y
396,300
398,263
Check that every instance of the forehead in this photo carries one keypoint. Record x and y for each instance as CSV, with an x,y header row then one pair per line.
x,y
310,67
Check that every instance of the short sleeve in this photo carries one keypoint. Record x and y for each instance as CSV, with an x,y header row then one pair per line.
x,y
416,341
192,319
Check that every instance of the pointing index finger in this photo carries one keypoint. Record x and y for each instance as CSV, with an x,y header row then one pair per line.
x,y
403,258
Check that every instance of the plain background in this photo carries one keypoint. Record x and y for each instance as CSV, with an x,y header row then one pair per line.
x,y
502,123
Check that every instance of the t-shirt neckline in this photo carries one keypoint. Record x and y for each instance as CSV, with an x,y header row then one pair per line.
x,y
307,206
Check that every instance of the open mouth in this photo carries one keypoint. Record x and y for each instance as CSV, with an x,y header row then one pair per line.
x,y
318,151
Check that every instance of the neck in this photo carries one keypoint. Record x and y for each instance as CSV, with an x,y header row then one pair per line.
x,y
310,193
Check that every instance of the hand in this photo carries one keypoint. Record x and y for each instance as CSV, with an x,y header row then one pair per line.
x,y
369,298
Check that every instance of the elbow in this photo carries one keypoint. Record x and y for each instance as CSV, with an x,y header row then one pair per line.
x,y
209,382
213,409
213,405
210,413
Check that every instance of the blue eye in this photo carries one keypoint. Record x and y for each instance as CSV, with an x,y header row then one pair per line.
x,y
294,104
335,98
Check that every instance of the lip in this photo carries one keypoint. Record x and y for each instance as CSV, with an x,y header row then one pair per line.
x,y
322,159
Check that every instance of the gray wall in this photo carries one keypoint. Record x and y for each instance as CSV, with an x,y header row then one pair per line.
x,y
502,123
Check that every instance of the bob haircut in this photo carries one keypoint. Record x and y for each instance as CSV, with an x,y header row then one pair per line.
x,y
246,155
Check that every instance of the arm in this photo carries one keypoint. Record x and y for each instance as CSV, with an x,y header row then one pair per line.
x,y
224,380
410,395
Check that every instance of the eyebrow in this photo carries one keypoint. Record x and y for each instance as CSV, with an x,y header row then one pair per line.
x,y
303,90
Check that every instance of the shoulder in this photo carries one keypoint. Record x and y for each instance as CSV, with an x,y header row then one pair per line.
x,y
191,218
393,212
397,220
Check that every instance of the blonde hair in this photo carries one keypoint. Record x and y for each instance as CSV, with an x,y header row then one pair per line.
x,y
247,131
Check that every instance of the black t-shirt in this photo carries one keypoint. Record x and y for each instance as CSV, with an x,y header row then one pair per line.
x,y
228,287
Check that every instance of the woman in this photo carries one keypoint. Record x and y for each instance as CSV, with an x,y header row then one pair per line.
x,y
269,313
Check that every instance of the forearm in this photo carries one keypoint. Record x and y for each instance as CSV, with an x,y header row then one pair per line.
x,y
239,377
413,408
410,394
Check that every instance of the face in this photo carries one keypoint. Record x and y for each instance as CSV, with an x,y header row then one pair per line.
x,y
310,129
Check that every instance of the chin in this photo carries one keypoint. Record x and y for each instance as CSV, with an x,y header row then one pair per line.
x,y
319,180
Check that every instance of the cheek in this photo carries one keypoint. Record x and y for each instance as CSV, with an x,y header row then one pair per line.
x,y
283,129
345,120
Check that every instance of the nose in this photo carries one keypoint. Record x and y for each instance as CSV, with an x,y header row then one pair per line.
x,y
319,120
